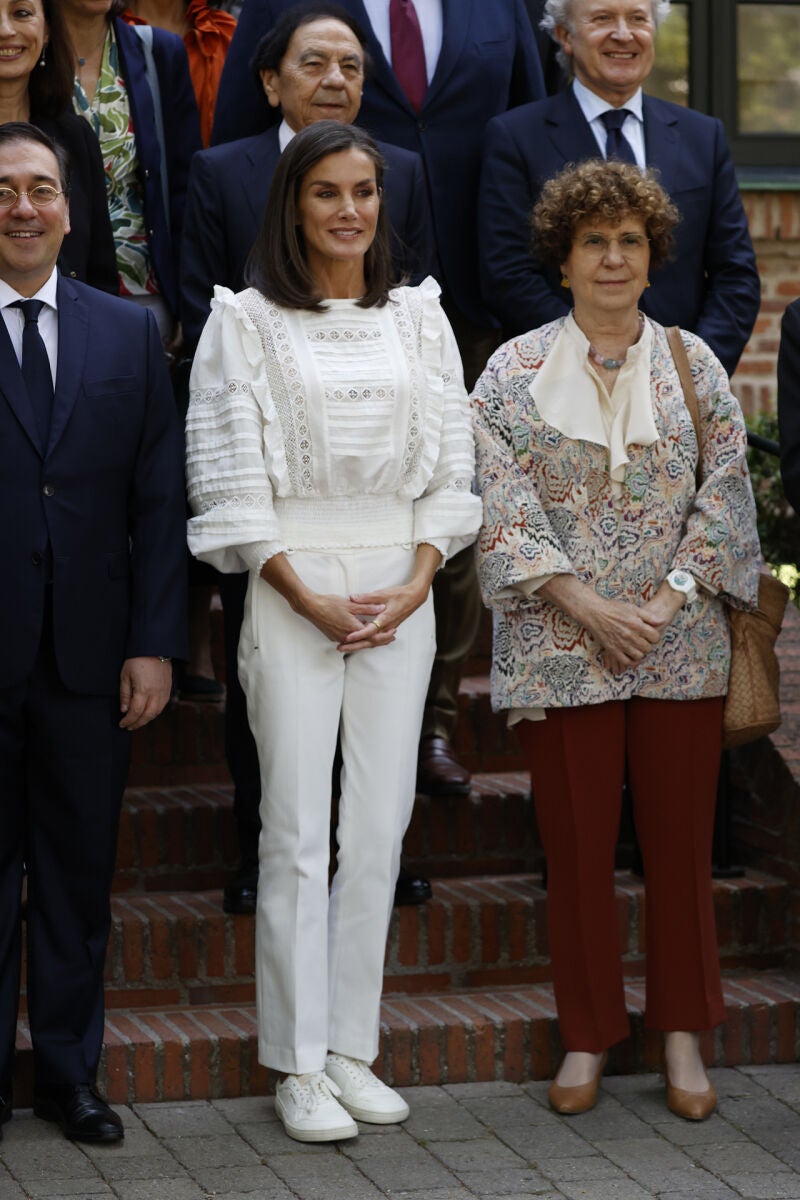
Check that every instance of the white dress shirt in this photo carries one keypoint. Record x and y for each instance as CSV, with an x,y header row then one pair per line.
x,y
429,13
285,134
48,318
592,106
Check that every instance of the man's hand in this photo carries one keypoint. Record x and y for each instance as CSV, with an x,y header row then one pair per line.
x,y
144,688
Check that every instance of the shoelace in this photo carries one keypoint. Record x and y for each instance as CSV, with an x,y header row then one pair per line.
x,y
358,1071
316,1088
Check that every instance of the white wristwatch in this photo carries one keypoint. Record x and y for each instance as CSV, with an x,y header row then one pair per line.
x,y
682,581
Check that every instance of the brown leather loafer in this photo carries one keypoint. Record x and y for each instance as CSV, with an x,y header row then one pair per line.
x,y
439,773
692,1106
573,1100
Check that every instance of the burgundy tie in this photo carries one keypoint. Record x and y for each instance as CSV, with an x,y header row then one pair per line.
x,y
408,51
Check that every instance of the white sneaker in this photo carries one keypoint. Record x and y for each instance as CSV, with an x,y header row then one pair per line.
x,y
309,1110
362,1094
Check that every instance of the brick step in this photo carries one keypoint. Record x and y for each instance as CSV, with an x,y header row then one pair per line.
x,y
482,739
180,948
469,1036
183,838
186,744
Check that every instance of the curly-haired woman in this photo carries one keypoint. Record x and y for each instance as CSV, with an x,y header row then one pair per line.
x,y
609,571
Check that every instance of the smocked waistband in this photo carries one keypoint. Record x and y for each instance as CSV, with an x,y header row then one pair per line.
x,y
344,522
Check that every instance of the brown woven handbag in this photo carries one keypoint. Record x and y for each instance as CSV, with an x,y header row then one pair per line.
x,y
752,704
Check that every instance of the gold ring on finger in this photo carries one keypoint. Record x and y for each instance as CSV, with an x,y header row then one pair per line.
x,y
377,624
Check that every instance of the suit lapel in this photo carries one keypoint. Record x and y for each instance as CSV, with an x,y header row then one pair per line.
x,y
263,159
569,130
456,20
662,143
73,336
133,67
12,386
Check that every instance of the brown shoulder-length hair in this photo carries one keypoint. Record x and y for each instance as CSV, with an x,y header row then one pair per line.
x,y
601,191
50,86
277,265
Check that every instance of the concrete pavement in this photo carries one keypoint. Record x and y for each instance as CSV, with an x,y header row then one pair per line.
x,y
482,1140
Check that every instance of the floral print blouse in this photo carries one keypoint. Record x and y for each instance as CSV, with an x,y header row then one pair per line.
x,y
548,508
109,114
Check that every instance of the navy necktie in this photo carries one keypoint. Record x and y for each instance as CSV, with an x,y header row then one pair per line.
x,y
36,367
617,145
408,51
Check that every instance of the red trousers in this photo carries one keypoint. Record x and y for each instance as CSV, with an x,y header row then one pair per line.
x,y
577,764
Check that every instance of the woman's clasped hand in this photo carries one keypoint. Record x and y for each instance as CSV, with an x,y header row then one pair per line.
x,y
626,632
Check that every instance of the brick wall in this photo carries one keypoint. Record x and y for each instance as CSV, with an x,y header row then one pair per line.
x,y
774,219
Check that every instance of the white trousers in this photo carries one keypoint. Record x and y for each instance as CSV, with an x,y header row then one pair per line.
x,y
319,956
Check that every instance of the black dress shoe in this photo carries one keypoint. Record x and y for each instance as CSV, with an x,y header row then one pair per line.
x,y
81,1112
411,889
241,893
439,773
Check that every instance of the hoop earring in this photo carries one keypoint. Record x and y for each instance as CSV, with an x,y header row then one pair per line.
x,y
564,281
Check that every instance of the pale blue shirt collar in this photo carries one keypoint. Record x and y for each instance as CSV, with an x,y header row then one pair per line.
x,y
593,106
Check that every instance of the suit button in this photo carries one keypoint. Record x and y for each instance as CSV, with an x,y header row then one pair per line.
x,y
49,490
422,126
73,274
36,558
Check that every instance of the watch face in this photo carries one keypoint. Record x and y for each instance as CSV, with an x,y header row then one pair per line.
x,y
680,579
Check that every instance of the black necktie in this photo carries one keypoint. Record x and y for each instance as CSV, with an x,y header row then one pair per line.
x,y
617,145
36,367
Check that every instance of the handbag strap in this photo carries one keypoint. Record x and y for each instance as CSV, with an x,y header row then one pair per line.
x,y
681,360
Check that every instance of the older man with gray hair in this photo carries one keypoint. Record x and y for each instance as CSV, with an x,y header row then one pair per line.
x,y
711,285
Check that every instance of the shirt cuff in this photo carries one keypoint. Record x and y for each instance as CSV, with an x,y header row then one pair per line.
x,y
255,554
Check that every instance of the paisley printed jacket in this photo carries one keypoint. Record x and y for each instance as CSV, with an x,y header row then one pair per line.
x,y
548,509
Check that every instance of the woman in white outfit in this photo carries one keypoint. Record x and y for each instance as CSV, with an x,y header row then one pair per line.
x,y
330,453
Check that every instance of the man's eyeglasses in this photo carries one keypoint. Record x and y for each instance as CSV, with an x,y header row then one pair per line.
x,y
40,196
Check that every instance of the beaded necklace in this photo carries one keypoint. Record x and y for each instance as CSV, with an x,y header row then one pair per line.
x,y
613,364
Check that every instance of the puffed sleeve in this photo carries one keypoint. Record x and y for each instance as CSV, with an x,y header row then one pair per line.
x,y
447,514
233,440
517,547
720,546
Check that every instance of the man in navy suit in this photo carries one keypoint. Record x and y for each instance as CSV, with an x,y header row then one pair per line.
x,y
228,184
711,286
92,608
477,59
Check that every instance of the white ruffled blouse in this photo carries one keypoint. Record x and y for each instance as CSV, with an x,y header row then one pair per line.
x,y
335,430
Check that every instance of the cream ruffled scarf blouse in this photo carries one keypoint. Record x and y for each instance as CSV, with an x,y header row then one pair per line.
x,y
570,395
